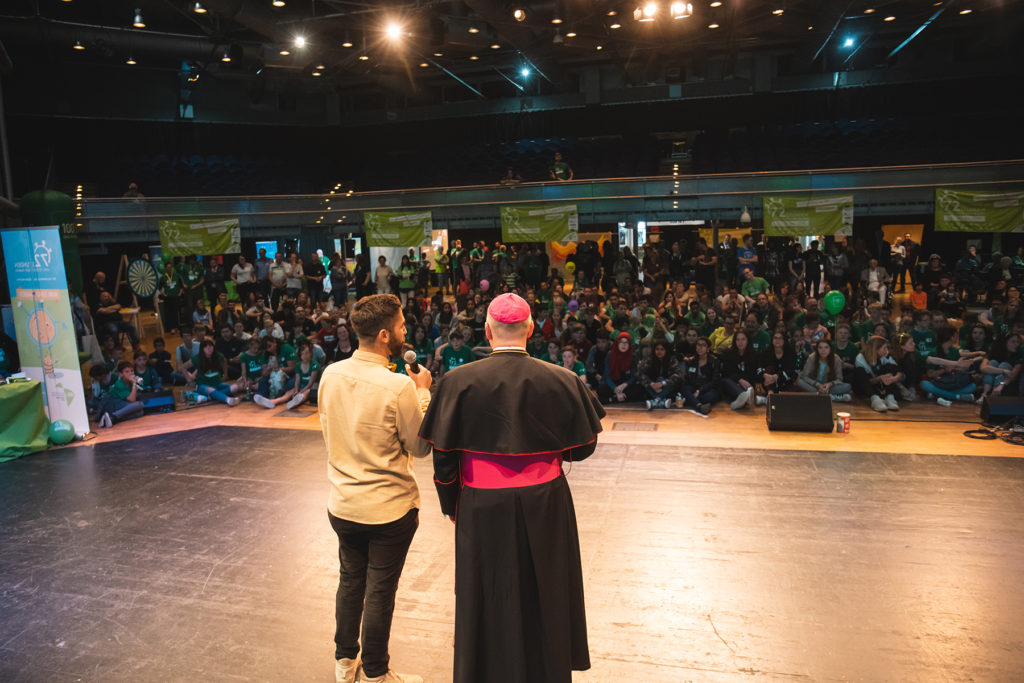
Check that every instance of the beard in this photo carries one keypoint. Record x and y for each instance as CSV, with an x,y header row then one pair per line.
x,y
395,346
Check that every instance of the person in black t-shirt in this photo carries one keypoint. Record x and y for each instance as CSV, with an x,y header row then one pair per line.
x,y
813,260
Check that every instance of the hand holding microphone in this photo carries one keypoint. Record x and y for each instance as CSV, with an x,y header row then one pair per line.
x,y
421,378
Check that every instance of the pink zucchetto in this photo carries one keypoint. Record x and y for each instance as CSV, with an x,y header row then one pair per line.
x,y
509,309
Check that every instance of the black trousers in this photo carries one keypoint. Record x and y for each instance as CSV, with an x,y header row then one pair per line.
x,y
372,557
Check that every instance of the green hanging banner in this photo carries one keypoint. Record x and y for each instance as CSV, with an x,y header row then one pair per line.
x,y
540,223
398,228
200,237
799,216
963,211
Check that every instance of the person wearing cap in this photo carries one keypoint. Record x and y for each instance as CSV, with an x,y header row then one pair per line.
x,y
501,428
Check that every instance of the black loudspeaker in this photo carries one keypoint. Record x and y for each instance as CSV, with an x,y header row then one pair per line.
x,y
999,409
800,413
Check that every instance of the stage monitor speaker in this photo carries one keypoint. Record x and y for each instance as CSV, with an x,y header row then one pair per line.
x,y
999,409
800,413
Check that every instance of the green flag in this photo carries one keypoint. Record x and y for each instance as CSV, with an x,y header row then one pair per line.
x,y
540,223
963,211
800,215
200,237
398,228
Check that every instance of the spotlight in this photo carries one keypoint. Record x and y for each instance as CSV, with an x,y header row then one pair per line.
x,y
199,9
278,3
317,74
347,43
681,10
716,3
320,67
524,72
473,58
364,57
712,25
285,52
495,46
78,45
778,12
611,13
424,65
439,54
848,42
615,25
570,34
890,18
519,14
227,55
474,29
646,13
393,31
300,41
869,10
966,11
138,23
599,48
130,61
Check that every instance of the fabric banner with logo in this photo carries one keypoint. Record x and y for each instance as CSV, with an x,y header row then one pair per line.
x,y
801,215
398,228
540,223
43,324
963,211
200,237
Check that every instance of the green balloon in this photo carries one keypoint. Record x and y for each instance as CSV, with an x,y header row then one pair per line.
x,y
62,432
834,301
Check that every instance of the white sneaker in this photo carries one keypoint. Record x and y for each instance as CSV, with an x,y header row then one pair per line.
x,y
233,401
105,421
878,404
345,670
392,677
760,400
890,402
842,398
261,400
945,402
668,403
650,404
295,400
740,401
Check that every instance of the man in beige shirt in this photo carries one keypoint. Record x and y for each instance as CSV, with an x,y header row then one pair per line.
x,y
370,418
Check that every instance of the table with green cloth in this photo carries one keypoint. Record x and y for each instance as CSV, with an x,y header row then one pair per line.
x,y
24,427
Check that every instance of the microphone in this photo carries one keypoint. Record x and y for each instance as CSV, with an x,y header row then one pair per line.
x,y
410,358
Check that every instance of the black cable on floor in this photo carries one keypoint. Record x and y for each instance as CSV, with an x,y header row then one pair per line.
x,y
1011,431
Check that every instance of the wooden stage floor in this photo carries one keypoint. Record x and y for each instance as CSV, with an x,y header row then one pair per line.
x,y
205,555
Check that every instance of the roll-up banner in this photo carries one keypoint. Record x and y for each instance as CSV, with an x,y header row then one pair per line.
x,y
42,318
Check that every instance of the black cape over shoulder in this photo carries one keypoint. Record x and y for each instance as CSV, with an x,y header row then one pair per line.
x,y
512,404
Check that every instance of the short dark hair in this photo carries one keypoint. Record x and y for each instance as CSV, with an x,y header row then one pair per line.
x,y
374,313
124,365
98,371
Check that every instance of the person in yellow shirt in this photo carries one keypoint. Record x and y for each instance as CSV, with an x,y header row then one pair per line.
x,y
721,338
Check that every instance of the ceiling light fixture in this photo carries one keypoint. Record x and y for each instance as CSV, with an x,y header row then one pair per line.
x,y
285,53
347,43
473,29
495,46
778,12
681,10
199,9
393,31
646,13
570,34
473,58
519,14
317,73
712,25
848,42
278,3
364,57
424,65
599,47
138,23
869,10
611,13
966,11
615,25
227,55
78,45
716,3
524,72
130,61
890,18
439,54
320,67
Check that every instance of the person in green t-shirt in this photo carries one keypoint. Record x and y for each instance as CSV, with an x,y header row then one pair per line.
x,y
193,277
554,353
455,353
406,279
753,285
759,338
115,401
145,375
947,376
845,348
560,170
570,361
253,360
307,378
211,369
924,336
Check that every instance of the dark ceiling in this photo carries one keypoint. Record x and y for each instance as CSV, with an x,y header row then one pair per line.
x,y
479,48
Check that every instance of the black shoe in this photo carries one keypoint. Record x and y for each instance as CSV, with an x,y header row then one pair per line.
x,y
704,408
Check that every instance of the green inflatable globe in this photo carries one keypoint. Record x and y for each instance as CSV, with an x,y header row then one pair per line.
x,y
834,301
62,432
